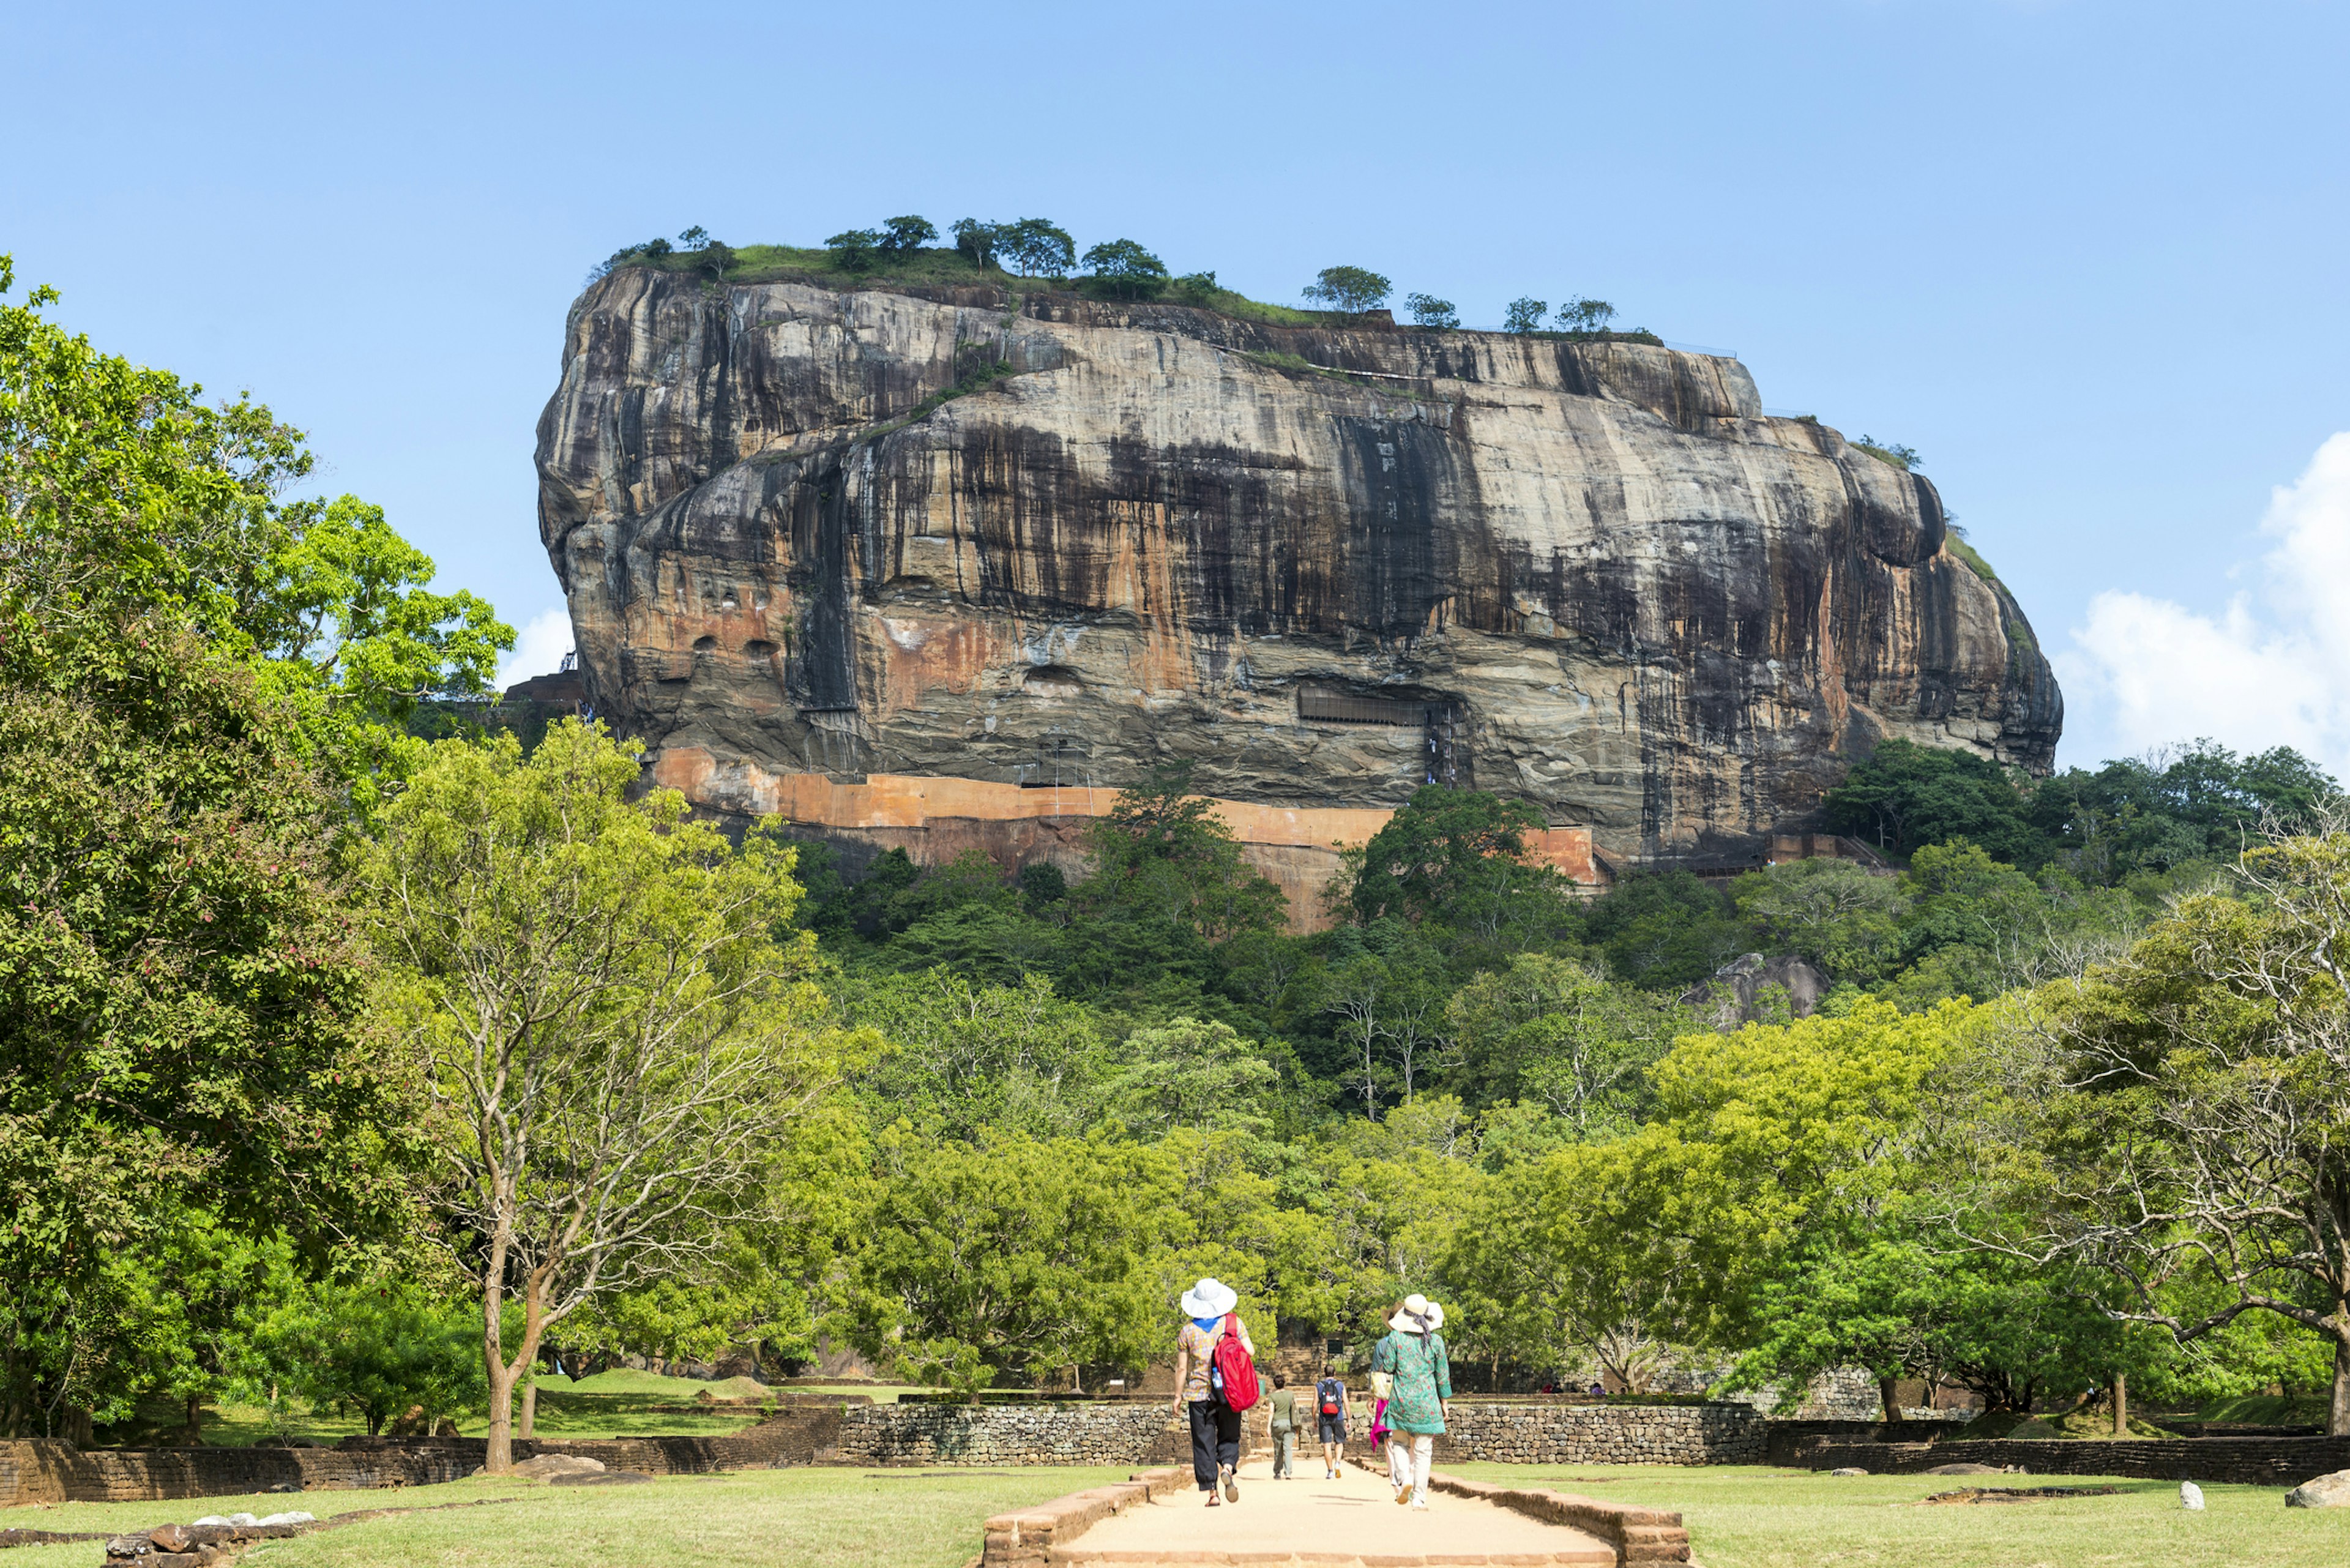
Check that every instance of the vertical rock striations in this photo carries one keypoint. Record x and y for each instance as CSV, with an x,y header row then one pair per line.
x,y
1001,538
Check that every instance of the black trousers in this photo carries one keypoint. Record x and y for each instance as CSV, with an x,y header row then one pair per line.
x,y
1215,1441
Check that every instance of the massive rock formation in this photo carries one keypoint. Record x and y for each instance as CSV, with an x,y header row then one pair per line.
x,y
1021,539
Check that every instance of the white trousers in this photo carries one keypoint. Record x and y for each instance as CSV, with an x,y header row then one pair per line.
x,y
1408,1462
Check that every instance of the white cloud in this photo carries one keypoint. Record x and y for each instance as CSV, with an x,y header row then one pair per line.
x,y
2274,670
538,649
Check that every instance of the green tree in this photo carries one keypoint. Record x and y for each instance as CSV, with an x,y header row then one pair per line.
x,y
1427,310
1195,1074
1557,1033
1525,315
960,1057
376,1346
903,236
1352,289
977,241
1123,270
179,1027
617,1044
1014,1257
1838,916
1907,795
2198,803
1664,929
1037,248
1459,858
1586,317
2184,1109
1162,848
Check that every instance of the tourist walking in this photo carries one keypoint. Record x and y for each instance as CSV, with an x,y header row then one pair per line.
x,y
1199,1387
1330,1420
1412,1357
1281,1425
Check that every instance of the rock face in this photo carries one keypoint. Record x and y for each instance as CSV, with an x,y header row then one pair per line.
x,y
1015,538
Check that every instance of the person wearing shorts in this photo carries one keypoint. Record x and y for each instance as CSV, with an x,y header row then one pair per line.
x,y
1329,1426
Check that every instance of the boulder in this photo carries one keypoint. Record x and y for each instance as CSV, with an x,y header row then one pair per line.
x,y
2190,1497
551,1467
1966,1471
1849,1470
296,1516
2329,1491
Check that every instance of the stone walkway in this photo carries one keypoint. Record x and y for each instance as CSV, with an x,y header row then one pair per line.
x,y
1311,1522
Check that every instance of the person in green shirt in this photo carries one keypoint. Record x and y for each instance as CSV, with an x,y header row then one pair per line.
x,y
1412,1354
1281,1426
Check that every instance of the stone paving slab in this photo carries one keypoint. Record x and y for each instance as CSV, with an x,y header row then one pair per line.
x,y
1309,1522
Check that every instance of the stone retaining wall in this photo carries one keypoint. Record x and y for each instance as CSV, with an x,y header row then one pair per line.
x,y
2258,1461
1078,1433
1603,1434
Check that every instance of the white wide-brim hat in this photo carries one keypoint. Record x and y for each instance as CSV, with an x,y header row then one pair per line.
x,y
1419,1316
1210,1298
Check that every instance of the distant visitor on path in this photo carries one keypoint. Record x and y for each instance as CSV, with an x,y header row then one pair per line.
x,y
1281,1426
1412,1356
1211,1353
1330,1420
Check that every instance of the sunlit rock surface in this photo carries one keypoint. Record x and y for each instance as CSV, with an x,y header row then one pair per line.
x,y
1593,576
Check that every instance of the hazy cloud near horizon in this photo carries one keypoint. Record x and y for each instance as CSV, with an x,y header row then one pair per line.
x,y
2272,668
540,644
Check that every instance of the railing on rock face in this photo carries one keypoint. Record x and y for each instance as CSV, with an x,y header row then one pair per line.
x,y
1441,717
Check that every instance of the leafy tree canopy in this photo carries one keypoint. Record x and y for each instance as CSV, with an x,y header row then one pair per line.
x,y
1352,289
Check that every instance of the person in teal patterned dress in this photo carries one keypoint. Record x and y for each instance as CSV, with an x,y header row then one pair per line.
x,y
1412,1354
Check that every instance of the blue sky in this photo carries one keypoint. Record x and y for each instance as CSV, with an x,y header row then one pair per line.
x,y
2088,258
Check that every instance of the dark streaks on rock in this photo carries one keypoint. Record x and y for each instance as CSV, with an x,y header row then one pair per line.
x,y
1650,608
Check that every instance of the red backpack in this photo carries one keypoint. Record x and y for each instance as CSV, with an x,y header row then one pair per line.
x,y
1236,1368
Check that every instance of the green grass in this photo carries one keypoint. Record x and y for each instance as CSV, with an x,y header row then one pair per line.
x,y
1971,556
2267,1410
1747,1516
801,1518
940,266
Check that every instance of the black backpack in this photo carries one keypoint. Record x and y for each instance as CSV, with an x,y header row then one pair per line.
x,y
1330,1393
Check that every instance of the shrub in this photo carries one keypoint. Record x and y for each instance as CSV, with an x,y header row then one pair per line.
x,y
1352,289
1891,452
1525,315
856,250
1196,287
1427,310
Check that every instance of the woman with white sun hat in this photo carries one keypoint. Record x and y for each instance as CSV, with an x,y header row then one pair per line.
x,y
1198,1384
1412,1357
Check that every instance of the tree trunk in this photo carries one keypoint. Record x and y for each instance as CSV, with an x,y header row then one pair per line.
x,y
505,1373
530,1406
1885,1392
2337,1420
2121,1404
195,1432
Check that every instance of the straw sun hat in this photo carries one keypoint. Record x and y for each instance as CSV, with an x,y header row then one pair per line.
x,y
1419,1316
1210,1298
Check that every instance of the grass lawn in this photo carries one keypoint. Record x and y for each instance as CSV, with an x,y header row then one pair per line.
x,y
1747,1516
800,1518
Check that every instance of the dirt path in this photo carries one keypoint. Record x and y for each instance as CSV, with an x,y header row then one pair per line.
x,y
1325,1523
